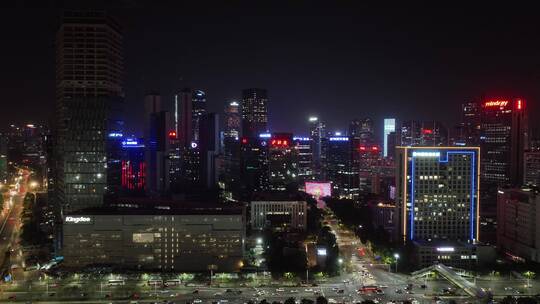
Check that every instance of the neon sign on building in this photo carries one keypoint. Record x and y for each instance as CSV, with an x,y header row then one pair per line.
x,y
496,103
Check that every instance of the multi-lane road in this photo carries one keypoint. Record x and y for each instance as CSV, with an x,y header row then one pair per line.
x,y
10,225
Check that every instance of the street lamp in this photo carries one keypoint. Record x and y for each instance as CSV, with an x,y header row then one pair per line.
x,y
396,256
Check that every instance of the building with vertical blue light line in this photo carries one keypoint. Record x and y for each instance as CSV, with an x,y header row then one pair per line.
x,y
438,202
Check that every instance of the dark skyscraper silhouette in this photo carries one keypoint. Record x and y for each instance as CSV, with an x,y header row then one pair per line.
x,y
89,73
254,112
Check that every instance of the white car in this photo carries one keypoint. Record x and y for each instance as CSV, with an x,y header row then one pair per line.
x,y
280,290
197,301
308,290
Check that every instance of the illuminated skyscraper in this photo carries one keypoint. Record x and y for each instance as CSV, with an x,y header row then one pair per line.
x,y
438,202
233,120
282,161
503,138
438,193
89,73
254,112
317,131
198,98
389,127
305,158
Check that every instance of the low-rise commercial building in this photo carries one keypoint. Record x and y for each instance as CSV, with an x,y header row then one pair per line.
x,y
279,215
164,238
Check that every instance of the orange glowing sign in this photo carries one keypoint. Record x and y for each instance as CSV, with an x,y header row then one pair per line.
x,y
496,103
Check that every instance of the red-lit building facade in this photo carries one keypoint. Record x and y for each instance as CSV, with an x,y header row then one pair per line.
x,y
133,177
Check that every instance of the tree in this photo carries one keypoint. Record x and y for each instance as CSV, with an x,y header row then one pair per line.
x,y
290,300
307,301
367,302
263,301
526,300
321,300
508,300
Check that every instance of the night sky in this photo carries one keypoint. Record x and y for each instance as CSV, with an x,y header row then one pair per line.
x,y
336,61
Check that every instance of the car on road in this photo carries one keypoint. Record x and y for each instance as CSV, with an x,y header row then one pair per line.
x,y
399,291
280,290
308,290
196,301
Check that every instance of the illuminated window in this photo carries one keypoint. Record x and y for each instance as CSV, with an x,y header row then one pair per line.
x,y
143,238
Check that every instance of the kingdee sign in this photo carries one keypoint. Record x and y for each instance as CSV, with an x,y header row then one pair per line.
x,y
78,220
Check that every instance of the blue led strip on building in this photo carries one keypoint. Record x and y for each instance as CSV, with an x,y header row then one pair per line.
x,y
473,188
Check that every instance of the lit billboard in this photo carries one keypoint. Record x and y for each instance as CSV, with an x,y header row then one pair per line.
x,y
319,189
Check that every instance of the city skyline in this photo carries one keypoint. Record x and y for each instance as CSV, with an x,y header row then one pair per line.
x,y
269,153
362,72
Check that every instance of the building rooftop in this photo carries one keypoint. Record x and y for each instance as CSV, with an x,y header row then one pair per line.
x,y
147,206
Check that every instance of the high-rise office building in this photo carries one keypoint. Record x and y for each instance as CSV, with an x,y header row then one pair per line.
x,y
340,166
518,214
391,141
157,144
233,120
531,173
184,113
362,129
305,158
317,131
468,130
209,149
438,193
423,133
389,127
89,73
503,138
438,200
369,160
198,102
253,165
282,161
254,112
